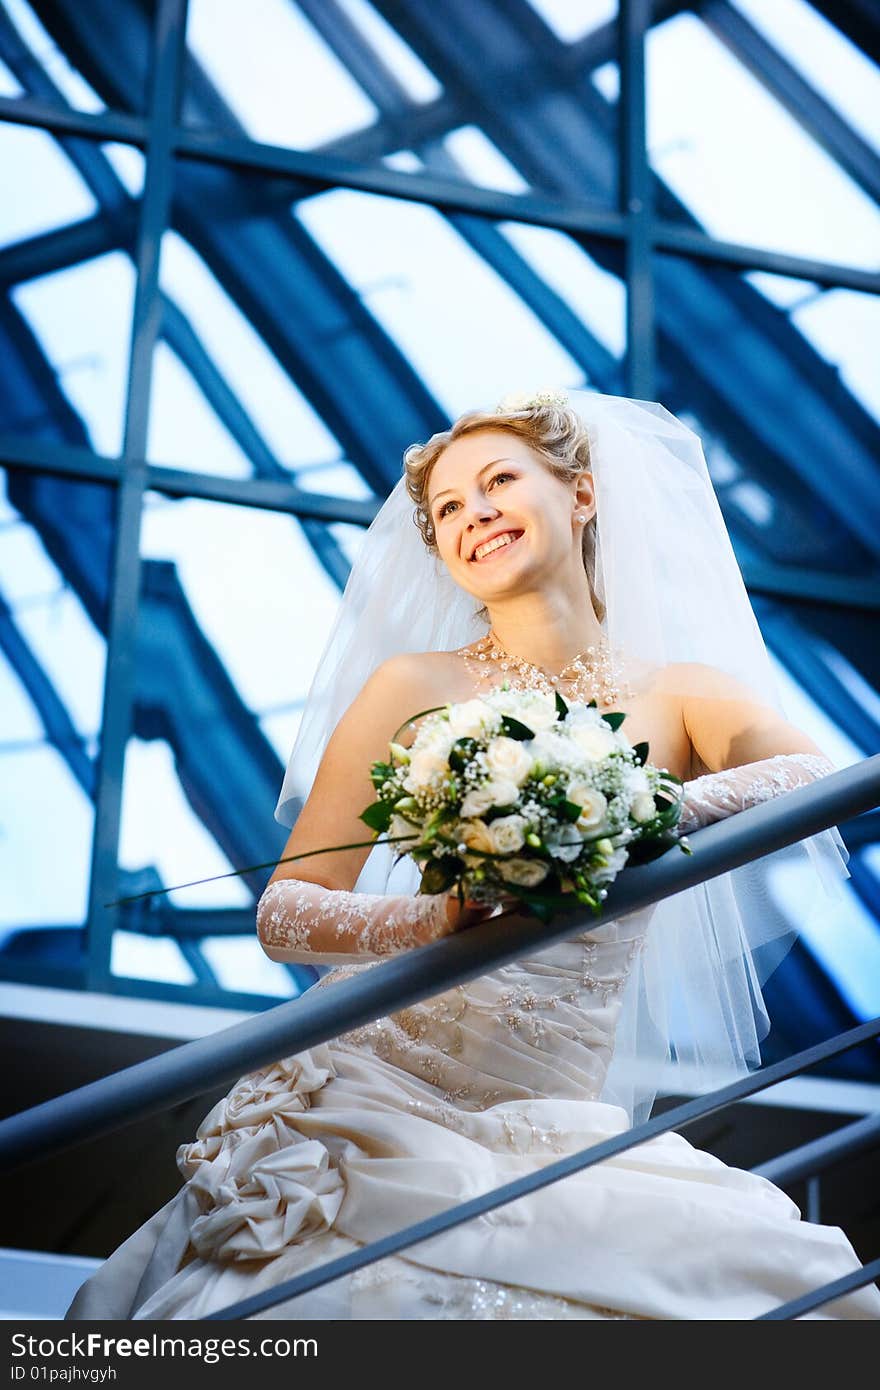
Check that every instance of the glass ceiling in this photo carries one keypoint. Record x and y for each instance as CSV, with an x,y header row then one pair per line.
x,y
308,334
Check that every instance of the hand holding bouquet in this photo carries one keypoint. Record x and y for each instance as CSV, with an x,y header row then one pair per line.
x,y
518,794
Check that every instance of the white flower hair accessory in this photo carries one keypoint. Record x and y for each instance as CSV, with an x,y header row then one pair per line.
x,y
524,400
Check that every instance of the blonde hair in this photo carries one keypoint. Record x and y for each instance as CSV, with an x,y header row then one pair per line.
x,y
554,432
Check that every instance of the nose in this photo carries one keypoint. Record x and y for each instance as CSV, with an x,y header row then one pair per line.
x,y
482,510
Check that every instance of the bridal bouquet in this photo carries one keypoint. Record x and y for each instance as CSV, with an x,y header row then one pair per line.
x,y
517,793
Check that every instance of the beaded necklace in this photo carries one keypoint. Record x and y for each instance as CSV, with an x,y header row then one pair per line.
x,y
592,674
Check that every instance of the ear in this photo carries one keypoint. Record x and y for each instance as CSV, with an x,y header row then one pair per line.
x,y
585,494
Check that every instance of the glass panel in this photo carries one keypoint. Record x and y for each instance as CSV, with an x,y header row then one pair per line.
x,y
796,487
570,22
56,542
760,179
234,612
846,941
443,299
735,349
489,101
833,66
223,396
299,330
88,57
71,309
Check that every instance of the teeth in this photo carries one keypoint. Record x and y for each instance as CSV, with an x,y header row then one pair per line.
x,y
506,539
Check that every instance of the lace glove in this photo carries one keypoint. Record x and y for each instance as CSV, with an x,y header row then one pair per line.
x,y
309,924
718,794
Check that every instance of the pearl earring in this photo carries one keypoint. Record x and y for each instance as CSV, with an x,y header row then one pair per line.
x,y
581,517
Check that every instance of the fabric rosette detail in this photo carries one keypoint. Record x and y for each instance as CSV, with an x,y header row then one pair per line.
x,y
259,1183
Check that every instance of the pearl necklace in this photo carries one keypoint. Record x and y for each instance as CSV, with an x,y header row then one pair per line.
x,y
594,674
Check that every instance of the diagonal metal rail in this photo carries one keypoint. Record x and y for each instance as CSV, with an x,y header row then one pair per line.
x,y
825,1294
550,1173
819,1154
319,1015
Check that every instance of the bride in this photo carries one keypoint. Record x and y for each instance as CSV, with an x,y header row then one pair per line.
x,y
587,528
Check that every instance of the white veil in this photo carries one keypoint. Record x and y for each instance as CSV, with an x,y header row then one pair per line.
x,y
667,575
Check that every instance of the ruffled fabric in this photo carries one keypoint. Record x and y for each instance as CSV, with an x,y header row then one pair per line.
x,y
260,1185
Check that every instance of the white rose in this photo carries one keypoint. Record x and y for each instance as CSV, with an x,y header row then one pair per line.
x,y
592,803
564,842
437,738
643,808
508,834
475,834
401,826
528,873
508,759
549,749
532,707
471,719
594,742
427,767
540,712
495,792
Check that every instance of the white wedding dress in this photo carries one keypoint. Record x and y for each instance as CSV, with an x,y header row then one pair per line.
x,y
321,1152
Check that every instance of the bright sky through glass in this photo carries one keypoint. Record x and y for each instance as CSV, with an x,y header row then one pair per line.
x,y
414,273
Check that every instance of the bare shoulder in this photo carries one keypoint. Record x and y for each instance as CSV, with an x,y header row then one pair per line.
x,y
408,682
697,680
410,672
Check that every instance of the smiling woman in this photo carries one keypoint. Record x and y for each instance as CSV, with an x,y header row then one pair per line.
x,y
499,541
513,493
395,1120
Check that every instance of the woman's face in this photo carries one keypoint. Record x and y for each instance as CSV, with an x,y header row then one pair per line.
x,y
490,483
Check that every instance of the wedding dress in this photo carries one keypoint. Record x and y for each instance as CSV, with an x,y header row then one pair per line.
x,y
321,1152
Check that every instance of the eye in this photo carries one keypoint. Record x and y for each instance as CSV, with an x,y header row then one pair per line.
x,y
494,479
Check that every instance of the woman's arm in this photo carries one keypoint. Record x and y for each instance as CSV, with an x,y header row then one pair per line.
x,y
308,923
753,754
718,794
309,912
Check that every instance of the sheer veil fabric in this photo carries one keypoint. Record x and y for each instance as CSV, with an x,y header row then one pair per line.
x,y
665,570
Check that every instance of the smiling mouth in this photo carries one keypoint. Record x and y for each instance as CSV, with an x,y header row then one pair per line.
x,y
499,549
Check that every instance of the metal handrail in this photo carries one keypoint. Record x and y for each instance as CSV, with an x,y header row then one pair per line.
x,y
552,1172
193,1068
320,1015
819,1154
824,1294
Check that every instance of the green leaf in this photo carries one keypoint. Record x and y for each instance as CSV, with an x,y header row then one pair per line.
x,y
514,728
641,752
380,773
436,822
461,753
540,909
647,850
441,874
420,852
615,719
378,815
561,706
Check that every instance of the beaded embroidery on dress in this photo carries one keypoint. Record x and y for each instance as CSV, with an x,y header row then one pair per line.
x,y
321,1152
